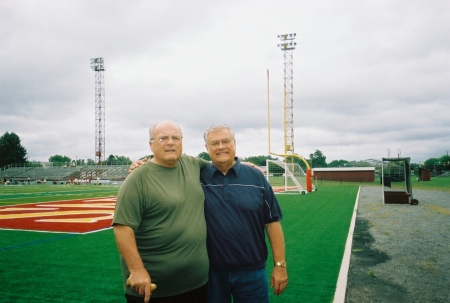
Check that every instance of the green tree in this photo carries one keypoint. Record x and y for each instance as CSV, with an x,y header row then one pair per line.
x,y
204,155
445,161
80,162
11,150
259,160
122,160
117,160
338,163
438,165
60,159
360,164
431,161
111,160
318,159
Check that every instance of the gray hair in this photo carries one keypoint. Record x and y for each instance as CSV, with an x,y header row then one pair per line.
x,y
152,129
216,127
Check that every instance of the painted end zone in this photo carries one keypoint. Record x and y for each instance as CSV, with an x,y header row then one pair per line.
x,y
74,216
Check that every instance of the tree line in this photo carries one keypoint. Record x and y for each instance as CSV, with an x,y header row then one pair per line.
x,y
12,151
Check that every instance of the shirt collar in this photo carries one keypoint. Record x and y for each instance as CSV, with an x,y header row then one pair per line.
x,y
212,170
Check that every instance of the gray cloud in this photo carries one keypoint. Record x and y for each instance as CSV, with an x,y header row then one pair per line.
x,y
368,76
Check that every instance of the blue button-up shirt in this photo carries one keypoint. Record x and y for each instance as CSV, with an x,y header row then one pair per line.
x,y
237,207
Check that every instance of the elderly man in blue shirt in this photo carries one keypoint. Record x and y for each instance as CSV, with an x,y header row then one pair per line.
x,y
240,206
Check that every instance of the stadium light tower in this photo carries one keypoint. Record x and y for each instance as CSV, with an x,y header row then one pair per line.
x,y
287,45
98,66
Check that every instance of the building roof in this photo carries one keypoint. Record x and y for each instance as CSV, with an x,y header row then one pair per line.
x,y
344,169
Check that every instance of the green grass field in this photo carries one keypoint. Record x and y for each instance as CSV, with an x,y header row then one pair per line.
x,y
436,183
59,267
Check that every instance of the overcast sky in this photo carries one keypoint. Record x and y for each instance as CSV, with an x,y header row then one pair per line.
x,y
371,78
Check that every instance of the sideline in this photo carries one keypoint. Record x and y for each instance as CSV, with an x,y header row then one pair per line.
x,y
341,286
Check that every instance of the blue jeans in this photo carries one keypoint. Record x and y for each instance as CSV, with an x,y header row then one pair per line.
x,y
243,286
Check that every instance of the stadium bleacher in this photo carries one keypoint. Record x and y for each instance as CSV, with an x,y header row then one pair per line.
x,y
61,173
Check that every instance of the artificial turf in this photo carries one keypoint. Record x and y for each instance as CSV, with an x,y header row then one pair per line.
x,y
58,267
48,267
315,227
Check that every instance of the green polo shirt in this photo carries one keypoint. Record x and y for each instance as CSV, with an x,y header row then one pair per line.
x,y
165,208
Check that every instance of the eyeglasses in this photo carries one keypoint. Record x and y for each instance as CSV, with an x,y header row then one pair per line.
x,y
216,143
164,139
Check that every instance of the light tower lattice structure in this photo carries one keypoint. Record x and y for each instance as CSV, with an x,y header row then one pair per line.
x,y
295,179
98,66
287,45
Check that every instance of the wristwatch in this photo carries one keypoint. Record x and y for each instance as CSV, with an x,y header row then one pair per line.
x,y
282,263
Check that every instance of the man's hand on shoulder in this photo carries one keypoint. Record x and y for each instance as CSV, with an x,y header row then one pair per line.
x,y
253,165
137,163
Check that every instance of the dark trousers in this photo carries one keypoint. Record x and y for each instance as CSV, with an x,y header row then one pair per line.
x,y
197,295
